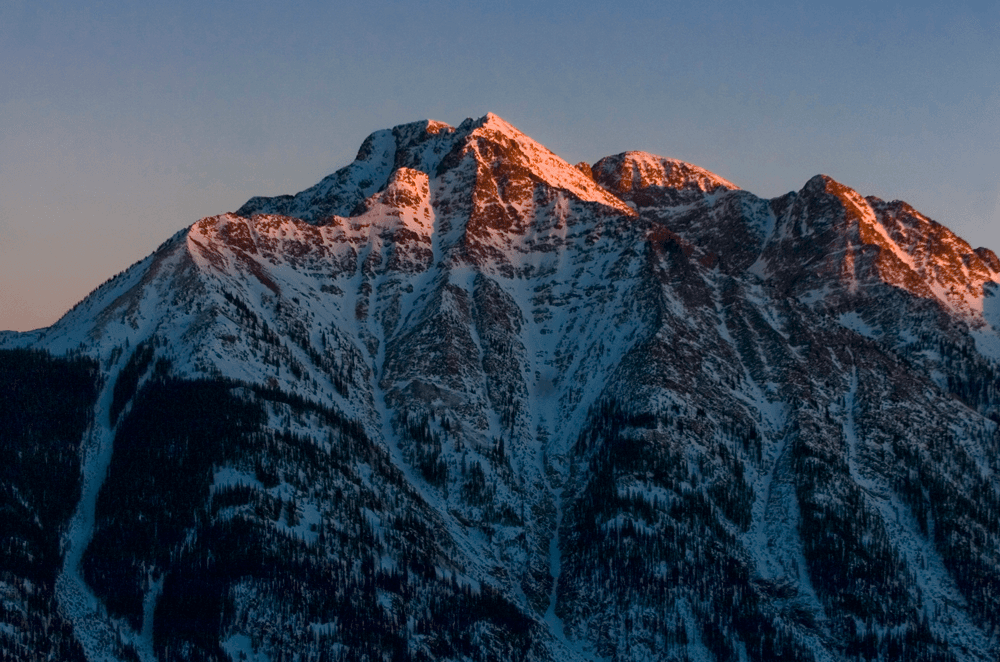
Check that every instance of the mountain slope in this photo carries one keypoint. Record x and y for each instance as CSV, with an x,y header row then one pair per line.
x,y
463,400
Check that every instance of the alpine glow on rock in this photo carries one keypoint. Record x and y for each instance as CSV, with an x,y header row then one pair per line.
x,y
461,400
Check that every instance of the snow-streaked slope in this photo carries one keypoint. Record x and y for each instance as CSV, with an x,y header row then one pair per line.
x,y
631,404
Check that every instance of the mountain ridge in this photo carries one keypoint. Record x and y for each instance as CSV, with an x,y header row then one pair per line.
x,y
632,413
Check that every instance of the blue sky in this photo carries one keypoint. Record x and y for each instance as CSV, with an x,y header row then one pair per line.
x,y
122,123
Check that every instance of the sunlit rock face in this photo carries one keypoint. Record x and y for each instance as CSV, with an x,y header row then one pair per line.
x,y
462,400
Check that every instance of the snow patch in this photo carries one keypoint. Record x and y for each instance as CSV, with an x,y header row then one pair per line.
x,y
97,633
856,323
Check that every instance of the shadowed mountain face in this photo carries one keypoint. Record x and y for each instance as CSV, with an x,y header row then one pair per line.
x,y
463,401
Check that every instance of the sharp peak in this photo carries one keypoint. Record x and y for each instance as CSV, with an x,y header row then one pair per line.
x,y
826,184
490,125
823,183
494,121
489,119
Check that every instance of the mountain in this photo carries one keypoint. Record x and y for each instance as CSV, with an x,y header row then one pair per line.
x,y
462,400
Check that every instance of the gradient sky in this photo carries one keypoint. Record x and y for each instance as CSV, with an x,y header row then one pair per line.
x,y
122,123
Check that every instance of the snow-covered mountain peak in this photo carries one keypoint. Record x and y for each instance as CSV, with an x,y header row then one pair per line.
x,y
954,271
494,122
511,161
828,233
638,176
855,208
509,155
459,400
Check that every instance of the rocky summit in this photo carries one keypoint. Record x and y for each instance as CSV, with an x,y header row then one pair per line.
x,y
462,400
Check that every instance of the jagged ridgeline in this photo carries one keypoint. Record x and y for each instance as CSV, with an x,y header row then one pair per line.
x,y
461,400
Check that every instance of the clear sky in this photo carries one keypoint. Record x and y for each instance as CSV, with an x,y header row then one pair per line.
x,y
123,122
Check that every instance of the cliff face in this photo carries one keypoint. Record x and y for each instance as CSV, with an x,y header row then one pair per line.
x,y
462,400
